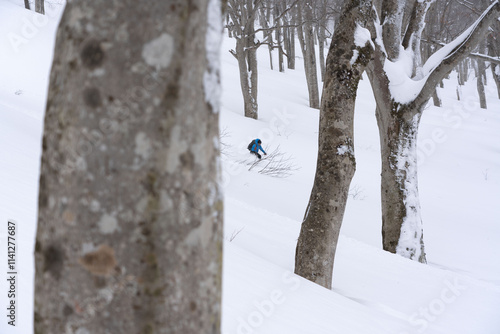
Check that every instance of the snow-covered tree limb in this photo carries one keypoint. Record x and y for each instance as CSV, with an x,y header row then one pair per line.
x,y
445,59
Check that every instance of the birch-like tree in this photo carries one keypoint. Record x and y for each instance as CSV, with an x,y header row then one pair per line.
x,y
402,85
129,235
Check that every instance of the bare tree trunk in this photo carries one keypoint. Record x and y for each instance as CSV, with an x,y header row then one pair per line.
x,y
481,75
402,229
480,70
306,39
27,4
435,98
246,62
264,16
462,73
279,37
40,6
495,70
321,43
129,234
493,47
242,14
336,164
290,42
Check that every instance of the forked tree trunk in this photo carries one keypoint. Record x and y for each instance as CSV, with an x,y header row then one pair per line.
x,y
402,230
336,164
129,235
398,127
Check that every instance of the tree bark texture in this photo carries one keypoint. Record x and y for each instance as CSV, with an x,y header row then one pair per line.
x,y
392,19
247,63
320,229
289,43
27,4
129,235
402,230
242,14
306,39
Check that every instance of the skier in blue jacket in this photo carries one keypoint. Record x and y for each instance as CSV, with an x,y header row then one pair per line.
x,y
255,146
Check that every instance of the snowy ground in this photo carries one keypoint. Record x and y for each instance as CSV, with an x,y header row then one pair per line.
x,y
374,291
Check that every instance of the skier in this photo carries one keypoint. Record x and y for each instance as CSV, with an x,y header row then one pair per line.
x,y
255,146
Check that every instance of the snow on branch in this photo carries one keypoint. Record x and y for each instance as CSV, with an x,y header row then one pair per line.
x,y
443,60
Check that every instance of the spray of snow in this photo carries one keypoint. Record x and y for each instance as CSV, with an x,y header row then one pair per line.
x,y
411,229
211,80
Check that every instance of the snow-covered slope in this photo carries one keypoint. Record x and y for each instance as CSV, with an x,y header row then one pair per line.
x,y
374,291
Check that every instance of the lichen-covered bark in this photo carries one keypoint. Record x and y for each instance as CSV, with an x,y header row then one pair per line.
x,y
129,230
335,168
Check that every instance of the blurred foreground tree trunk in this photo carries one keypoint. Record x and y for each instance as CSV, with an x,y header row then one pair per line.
x,y
129,235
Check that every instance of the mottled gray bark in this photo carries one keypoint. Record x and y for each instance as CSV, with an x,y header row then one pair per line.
x,y
27,4
391,18
129,235
321,44
402,230
335,168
